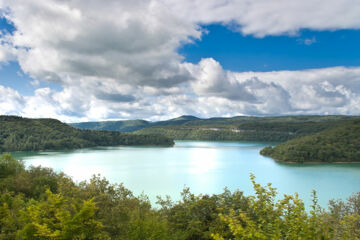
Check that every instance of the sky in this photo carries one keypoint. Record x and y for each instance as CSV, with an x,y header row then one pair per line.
x,y
159,59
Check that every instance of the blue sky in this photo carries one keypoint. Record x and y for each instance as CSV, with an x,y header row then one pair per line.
x,y
5,25
165,58
12,76
237,52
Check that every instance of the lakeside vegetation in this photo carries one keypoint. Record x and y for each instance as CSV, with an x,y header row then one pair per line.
x,y
274,129
266,129
24,134
338,144
38,203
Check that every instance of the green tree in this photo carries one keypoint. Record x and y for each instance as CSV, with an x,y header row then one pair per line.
x,y
9,166
58,218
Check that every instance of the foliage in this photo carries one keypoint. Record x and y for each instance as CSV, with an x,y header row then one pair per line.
x,y
131,125
59,218
9,166
53,207
266,218
338,144
271,129
276,129
121,126
22,134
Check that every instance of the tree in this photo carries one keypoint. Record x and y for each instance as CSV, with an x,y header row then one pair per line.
x,y
10,166
60,218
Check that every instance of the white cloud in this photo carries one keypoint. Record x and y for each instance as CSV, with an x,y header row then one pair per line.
x,y
133,42
7,51
119,60
314,91
275,17
11,102
317,91
307,41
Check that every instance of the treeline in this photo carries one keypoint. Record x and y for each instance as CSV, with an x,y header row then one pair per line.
x,y
242,128
338,144
216,134
23,134
37,203
132,125
121,126
270,129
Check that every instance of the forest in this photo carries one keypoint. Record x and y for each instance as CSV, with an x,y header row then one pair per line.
x,y
338,144
24,134
242,128
269,129
38,203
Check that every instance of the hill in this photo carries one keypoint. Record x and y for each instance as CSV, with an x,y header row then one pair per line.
x,y
275,129
121,126
185,118
23,134
241,128
131,125
338,144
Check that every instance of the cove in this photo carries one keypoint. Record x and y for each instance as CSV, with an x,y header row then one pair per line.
x,y
204,167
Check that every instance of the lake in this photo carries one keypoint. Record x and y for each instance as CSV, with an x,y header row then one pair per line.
x,y
205,167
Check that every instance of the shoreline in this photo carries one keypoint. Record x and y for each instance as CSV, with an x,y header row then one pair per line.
x,y
310,162
292,162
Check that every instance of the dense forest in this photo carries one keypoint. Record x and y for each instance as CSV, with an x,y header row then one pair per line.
x,y
243,128
273,129
337,144
37,203
132,125
121,126
23,134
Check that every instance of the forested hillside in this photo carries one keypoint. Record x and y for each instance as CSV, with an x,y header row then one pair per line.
x,y
338,144
37,203
23,134
121,126
274,129
131,125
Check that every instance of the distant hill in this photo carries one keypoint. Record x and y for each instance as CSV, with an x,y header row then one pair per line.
x,y
24,134
338,144
132,125
273,129
185,118
121,126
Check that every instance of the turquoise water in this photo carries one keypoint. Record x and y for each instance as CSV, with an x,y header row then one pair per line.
x,y
205,167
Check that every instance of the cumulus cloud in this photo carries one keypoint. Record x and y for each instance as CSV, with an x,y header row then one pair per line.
x,y
318,91
11,102
213,80
119,60
7,50
134,42
315,91
264,17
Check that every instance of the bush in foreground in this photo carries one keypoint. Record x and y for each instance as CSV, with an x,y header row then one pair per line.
x,y
37,203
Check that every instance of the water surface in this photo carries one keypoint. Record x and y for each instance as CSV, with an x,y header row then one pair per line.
x,y
205,167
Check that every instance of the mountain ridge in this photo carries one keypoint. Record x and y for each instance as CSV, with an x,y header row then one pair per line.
x,y
26,134
132,125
